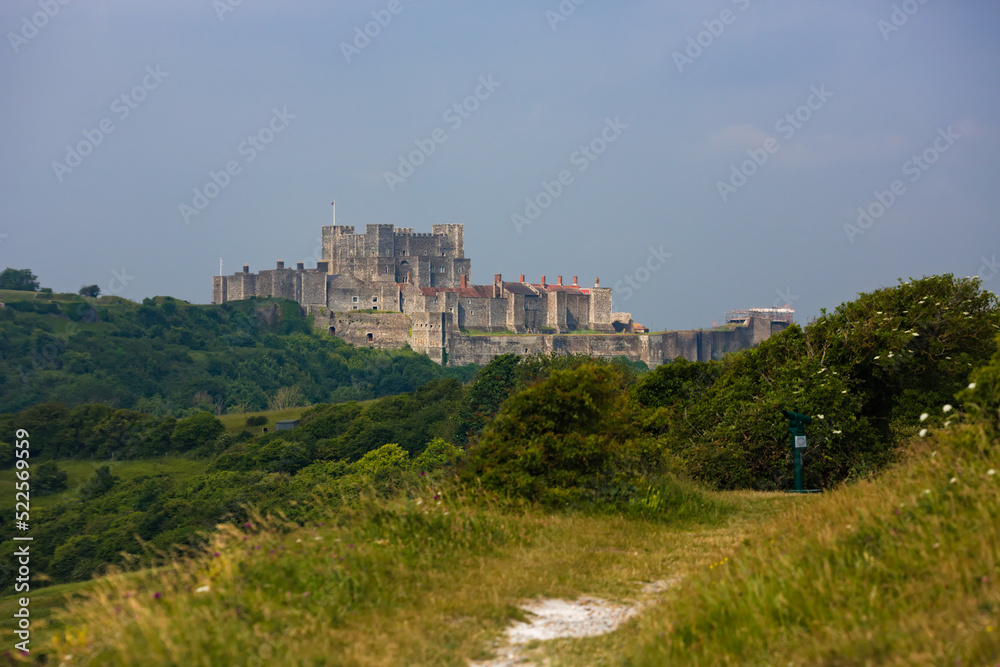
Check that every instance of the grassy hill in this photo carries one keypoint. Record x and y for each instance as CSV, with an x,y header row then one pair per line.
x,y
902,569
388,544
168,356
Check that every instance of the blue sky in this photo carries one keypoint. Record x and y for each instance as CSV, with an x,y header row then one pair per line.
x,y
735,139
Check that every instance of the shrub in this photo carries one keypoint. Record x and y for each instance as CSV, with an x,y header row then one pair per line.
x,y
556,442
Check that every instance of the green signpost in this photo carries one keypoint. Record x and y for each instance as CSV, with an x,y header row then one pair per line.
x,y
797,428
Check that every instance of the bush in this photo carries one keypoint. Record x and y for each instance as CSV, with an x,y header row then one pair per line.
x,y
558,441
49,478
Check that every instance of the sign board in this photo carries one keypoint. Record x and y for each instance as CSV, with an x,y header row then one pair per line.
x,y
800,442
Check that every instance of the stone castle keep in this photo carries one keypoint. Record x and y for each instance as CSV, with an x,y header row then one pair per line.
x,y
389,287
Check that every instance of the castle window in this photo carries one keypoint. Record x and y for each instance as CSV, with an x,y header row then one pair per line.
x,y
354,299
370,337
374,299
374,307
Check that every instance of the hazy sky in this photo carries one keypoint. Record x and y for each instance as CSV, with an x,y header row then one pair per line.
x,y
714,153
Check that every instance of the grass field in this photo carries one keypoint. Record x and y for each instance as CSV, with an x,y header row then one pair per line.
x,y
237,422
901,569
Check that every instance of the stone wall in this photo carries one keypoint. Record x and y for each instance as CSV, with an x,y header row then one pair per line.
x,y
652,349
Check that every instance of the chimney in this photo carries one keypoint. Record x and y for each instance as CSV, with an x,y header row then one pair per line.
x,y
520,278
465,280
574,281
496,277
559,280
246,268
597,282
281,263
301,266
543,281
322,267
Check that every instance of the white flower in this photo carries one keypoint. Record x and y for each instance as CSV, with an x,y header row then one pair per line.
x,y
947,408
972,385
923,432
877,356
838,432
844,392
927,492
991,472
820,416
924,416
915,333
946,422
953,480
203,589
890,355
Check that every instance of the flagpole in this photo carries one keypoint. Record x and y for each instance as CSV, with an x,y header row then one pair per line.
x,y
334,205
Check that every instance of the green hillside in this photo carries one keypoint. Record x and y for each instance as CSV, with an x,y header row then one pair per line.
x,y
166,356
406,529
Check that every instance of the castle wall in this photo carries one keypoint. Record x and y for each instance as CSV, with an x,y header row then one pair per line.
x,y
600,309
577,311
386,330
651,349
313,289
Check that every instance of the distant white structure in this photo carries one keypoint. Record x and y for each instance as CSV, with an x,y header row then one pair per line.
x,y
773,314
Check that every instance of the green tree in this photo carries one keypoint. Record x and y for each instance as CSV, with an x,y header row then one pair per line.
x,y
18,279
99,483
556,442
90,290
195,431
48,478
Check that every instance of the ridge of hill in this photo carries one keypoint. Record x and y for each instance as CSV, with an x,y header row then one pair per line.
x,y
165,356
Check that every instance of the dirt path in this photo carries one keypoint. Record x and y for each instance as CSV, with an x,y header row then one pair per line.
x,y
555,619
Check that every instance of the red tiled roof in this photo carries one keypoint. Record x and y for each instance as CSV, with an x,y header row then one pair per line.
x,y
569,289
518,288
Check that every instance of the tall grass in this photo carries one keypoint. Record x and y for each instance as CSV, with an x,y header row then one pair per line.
x,y
903,569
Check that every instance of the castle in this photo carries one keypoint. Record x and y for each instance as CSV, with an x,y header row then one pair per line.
x,y
390,287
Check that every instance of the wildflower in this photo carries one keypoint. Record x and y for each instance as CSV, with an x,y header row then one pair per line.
x,y
947,408
203,589
157,595
923,432
947,422
891,355
248,525
317,538
437,496
877,356
915,333
820,416
953,480
299,539
924,416
217,554
926,492
844,392
837,432
991,472
972,385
